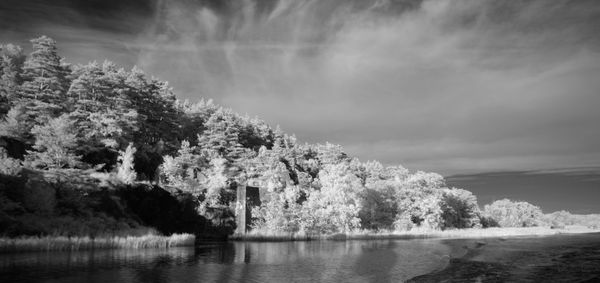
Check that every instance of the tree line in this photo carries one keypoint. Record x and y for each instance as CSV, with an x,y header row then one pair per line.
x,y
118,125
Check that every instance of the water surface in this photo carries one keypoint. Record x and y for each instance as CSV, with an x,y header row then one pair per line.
x,y
423,260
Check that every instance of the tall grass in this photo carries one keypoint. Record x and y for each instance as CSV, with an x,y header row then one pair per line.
x,y
82,243
413,234
275,236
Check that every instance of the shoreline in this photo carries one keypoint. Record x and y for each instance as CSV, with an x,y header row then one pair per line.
x,y
470,233
62,243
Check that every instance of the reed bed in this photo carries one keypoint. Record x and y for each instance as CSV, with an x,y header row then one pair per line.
x,y
265,236
61,243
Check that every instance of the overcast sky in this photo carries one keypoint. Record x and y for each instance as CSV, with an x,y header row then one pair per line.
x,y
460,86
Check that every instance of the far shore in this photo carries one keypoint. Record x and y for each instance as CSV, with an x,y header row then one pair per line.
x,y
62,243
470,233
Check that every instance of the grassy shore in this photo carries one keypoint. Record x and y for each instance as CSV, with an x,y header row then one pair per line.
x,y
82,243
413,234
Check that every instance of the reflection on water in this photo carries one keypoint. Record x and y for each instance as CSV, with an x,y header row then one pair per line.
x,y
535,259
323,261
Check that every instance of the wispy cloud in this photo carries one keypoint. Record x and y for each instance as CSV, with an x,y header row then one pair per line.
x,y
450,86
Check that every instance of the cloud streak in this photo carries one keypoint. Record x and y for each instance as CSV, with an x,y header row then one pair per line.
x,y
451,86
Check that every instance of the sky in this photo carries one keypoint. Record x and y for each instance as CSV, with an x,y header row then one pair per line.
x,y
462,87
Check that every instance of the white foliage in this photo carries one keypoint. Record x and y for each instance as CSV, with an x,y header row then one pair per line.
x,y
125,171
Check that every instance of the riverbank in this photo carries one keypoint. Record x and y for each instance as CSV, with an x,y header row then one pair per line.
x,y
266,236
26,244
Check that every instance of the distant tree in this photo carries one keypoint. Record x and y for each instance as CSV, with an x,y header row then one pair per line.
x,y
271,170
330,154
43,82
255,133
54,144
217,198
380,204
422,200
154,102
183,171
11,68
43,74
221,136
14,124
194,117
125,171
281,211
425,180
158,130
461,209
509,213
280,208
335,206
89,90
378,208
430,210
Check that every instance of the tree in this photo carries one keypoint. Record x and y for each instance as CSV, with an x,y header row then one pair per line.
x,y
280,208
89,90
14,124
11,67
54,144
281,211
126,172
158,115
461,209
424,180
378,208
330,154
43,87
183,170
216,200
43,74
509,213
335,206
221,136
379,204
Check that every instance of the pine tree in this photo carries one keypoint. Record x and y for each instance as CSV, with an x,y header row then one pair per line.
x,y
43,91
88,91
43,73
221,137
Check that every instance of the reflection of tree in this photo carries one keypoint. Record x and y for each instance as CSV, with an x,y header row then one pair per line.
x,y
146,265
157,272
376,261
219,253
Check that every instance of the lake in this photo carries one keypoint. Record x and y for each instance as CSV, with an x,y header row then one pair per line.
x,y
554,258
